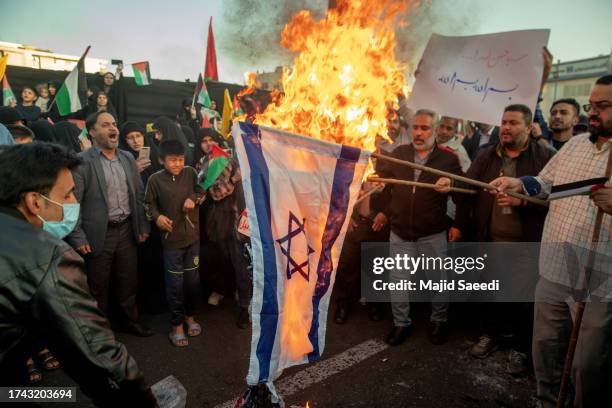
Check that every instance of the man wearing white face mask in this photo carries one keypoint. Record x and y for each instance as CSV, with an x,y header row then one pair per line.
x,y
43,288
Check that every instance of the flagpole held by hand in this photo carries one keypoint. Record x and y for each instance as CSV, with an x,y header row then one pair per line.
x,y
456,177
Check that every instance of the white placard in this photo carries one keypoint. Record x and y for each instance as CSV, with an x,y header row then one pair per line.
x,y
475,77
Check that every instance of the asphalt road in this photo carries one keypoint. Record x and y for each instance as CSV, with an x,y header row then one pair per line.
x,y
416,374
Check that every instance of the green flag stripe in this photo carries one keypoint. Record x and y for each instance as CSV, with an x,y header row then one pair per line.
x,y
67,98
215,168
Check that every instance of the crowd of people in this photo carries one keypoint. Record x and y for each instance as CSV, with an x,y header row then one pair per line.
x,y
119,219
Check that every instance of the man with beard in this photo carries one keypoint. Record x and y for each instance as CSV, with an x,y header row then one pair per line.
x,y
395,131
112,219
506,219
570,223
417,218
564,115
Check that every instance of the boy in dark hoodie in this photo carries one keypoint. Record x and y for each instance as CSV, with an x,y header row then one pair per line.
x,y
171,197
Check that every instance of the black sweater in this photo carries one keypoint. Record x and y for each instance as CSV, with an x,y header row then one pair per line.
x,y
416,212
165,195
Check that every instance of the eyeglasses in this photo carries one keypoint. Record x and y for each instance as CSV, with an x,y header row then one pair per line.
x,y
598,106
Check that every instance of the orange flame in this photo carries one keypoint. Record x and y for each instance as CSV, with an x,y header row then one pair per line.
x,y
342,84
345,77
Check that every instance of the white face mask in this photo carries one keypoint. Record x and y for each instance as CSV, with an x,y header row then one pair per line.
x,y
62,228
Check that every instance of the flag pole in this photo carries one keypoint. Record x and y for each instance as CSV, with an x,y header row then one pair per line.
x,y
56,90
579,311
417,184
456,177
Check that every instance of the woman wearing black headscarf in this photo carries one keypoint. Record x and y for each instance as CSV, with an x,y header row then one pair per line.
x,y
133,138
189,116
204,139
67,134
151,288
44,131
97,102
114,86
170,130
52,109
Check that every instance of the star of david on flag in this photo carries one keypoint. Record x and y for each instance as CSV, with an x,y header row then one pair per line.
x,y
295,233
299,194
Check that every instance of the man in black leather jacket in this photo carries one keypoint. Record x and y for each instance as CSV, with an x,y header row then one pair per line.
x,y
43,287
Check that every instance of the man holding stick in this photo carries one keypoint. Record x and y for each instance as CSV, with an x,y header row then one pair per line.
x,y
578,224
418,216
504,219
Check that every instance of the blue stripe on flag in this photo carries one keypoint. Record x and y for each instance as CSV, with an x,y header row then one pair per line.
x,y
260,184
338,206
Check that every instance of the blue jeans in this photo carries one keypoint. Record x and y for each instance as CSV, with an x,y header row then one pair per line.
x,y
431,245
182,280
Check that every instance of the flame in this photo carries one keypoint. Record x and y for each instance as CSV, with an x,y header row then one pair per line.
x,y
307,405
345,78
340,88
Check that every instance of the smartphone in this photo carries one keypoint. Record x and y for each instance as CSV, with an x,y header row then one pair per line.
x,y
116,62
144,153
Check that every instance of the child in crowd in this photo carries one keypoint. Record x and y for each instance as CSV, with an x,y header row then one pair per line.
x,y
28,110
43,97
171,197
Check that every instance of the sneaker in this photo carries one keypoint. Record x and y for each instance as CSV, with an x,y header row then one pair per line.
x,y
483,347
517,363
214,298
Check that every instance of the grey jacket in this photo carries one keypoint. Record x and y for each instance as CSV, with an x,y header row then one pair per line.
x,y
90,191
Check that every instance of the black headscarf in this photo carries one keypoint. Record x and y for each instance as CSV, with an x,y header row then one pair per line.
x,y
67,134
129,127
170,130
216,136
189,134
44,131
116,95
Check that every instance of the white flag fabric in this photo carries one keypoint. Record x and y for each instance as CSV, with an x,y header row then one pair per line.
x,y
299,196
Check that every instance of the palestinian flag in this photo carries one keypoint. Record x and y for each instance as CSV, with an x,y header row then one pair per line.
x,y
201,93
583,187
205,123
210,66
72,95
142,75
217,161
7,92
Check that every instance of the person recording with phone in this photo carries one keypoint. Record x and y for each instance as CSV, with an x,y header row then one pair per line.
x,y
134,139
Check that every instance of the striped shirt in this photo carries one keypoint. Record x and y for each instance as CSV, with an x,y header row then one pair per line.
x,y
570,221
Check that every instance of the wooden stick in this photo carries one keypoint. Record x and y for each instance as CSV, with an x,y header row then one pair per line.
x,y
458,178
369,193
579,312
418,184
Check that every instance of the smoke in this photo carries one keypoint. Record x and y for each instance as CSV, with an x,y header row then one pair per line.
x,y
451,18
250,30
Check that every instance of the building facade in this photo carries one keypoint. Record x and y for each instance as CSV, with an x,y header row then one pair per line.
x,y
574,79
31,57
